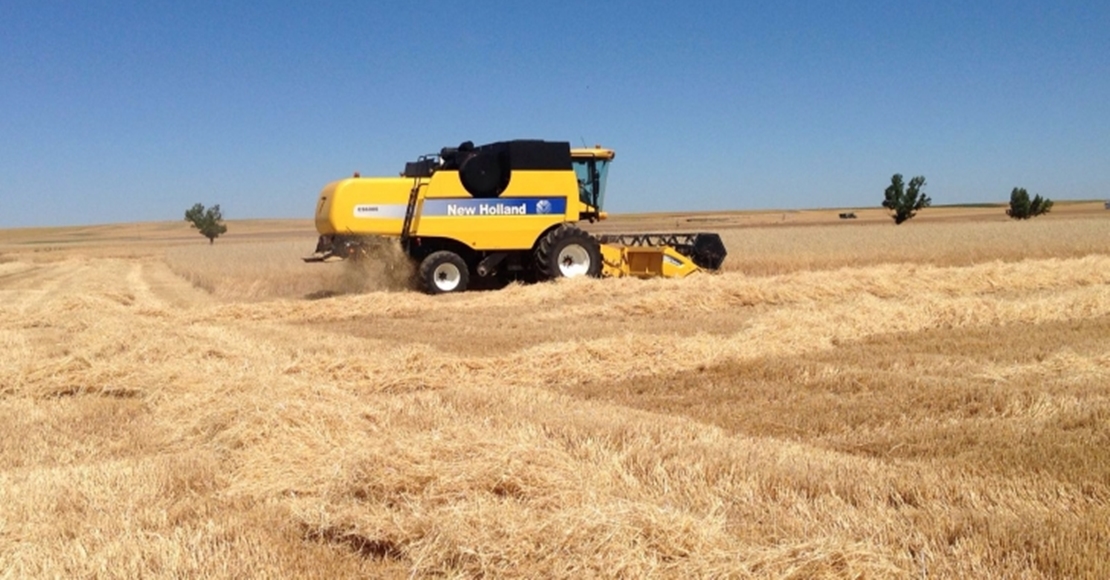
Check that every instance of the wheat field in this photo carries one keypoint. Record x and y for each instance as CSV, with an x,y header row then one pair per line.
x,y
855,400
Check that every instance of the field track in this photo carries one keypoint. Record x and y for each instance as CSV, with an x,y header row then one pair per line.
x,y
898,419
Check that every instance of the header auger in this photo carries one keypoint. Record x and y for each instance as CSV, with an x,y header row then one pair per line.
x,y
500,212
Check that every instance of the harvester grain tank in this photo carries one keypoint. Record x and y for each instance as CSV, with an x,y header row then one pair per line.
x,y
504,211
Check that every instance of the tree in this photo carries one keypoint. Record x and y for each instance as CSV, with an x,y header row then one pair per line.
x,y
1021,208
905,203
208,221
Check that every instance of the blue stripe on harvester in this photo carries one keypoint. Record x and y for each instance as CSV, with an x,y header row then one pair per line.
x,y
505,206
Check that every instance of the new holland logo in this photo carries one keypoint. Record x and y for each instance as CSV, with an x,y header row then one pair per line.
x,y
508,206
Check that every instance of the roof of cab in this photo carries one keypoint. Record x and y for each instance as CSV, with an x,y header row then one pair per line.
x,y
596,152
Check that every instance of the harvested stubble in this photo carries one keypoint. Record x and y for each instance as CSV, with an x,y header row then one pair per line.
x,y
864,421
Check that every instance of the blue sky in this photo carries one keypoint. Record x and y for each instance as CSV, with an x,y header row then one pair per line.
x,y
121,111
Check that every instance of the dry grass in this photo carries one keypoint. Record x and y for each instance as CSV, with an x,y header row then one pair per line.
x,y
763,251
938,410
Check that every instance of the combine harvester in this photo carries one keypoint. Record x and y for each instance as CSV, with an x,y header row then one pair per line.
x,y
500,212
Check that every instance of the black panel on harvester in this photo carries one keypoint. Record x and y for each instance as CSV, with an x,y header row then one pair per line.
x,y
531,154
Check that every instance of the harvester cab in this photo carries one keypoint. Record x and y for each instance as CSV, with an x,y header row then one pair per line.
x,y
502,211
591,167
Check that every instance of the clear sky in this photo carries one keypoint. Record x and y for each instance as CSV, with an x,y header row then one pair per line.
x,y
118,110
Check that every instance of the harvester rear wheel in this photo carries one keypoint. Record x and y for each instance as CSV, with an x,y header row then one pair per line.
x,y
442,272
568,252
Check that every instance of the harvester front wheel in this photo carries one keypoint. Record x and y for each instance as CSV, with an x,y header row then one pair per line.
x,y
444,271
568,252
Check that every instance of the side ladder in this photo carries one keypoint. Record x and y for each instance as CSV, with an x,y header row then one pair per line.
x,y
410,211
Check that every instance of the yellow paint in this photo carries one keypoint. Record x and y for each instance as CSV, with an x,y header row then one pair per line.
x,y
336,207
645,262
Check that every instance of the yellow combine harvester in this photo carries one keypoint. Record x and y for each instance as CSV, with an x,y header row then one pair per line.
x,y
502,211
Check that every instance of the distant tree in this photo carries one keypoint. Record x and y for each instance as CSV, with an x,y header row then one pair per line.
x,y
1021,208
207,221
905,203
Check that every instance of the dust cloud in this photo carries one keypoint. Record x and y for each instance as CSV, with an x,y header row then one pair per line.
x,y
379,265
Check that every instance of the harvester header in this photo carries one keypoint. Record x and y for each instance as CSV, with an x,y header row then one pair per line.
x,y
500,212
